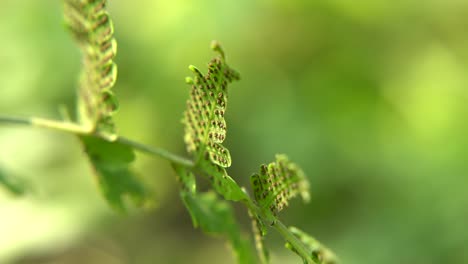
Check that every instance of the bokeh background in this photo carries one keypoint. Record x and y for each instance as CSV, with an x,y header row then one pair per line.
x,y
369,97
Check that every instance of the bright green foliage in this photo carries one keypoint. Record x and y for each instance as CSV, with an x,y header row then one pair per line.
x,y
277,183
14,185
205,127
319,253
92,28
110,161
216,216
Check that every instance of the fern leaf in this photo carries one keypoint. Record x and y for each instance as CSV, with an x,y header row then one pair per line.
x,y
185,178
205,126
16,186
222,182
110,161
92,28
319,253
215,216
277,183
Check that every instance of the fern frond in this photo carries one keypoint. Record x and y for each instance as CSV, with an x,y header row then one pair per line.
x,y
205,126
222,182
320,253
277,183
93,30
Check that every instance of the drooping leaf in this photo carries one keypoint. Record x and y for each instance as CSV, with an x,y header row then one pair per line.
x,y
110,161
216,217
205,127
14,185
93,30
319,253
277,183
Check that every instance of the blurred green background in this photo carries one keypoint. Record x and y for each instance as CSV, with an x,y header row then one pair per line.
x,y
369,97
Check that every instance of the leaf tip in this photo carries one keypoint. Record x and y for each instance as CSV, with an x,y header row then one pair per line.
x,y
188,80
193,68
216,46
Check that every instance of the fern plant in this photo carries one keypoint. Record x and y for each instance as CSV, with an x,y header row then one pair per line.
x,y
205,130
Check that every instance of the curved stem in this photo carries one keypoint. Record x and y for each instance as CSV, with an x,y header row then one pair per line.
x,y
77,129
156,151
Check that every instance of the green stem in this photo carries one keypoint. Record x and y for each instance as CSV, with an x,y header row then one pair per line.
x,y
15,120
297,245
77,129
64,126
284,232
156,151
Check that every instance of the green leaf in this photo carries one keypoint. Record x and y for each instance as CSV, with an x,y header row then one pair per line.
x,y
110,161
205,127
185,178
222,182
276,184
216,217
14,185
93,30
319,253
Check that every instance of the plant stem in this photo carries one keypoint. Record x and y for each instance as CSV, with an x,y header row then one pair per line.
x,y
64,126
15,120
156,151
77,129
297,245
283,230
